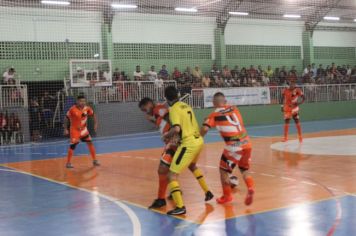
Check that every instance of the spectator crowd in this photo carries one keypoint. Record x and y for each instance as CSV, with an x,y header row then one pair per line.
x,y
244,77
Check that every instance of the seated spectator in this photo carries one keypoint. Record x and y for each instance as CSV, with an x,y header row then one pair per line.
x,y
265,79
219,81
215,72
9,76
3,129
348,71
243,77
197,73
269,72
138,74
206,81
307,74
235,73
163,73
259,71
15,128
116,76
252,73
293,72
320,74
226,74
159,82
177,75
152,74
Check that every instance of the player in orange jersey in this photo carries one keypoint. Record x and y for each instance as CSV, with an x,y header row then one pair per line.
x,y
237,152
75,125
291,100
158,114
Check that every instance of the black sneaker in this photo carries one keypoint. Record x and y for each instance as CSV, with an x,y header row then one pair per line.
x,y
96,163
158,203
208,196
69,166
177,211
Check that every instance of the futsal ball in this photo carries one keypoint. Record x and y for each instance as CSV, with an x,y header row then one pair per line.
x,y
234,181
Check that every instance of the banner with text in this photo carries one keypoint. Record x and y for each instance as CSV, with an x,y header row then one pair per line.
x,y
239,96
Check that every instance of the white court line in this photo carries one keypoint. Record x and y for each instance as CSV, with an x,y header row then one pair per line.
x,y
264,174
287,178
309,183
136,224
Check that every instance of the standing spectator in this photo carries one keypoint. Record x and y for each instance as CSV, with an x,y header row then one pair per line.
x,y
15,128
243,76
314,71
293,72
265,79
48,106
348,72
138,74
269,72
321,74
252,73
9,76
177,75
307,74
197,74
226,73
152,74
206,81
163,73
219,81
35,119
3,128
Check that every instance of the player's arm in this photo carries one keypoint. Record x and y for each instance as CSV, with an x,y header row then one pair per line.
x,y
66,125
303,98
95,122
281,101
204,130
207,125
175,120
174,130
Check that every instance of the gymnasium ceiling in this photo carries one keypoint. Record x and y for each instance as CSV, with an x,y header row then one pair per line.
x,y
310,10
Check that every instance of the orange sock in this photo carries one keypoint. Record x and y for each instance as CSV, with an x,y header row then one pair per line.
x,y
70,155
286,131
299,129
249,182
227,191
162,187
91,150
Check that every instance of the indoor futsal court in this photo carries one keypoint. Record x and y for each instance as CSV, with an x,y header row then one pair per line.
x,y
182,118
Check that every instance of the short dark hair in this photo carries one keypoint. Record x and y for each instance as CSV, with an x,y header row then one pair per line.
x,y
171,93
80,97
219,94
144,101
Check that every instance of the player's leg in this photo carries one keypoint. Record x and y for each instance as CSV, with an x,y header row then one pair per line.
x,y
244,166
163,170
90,145
286,126
71,149
299,127
226,167
198,174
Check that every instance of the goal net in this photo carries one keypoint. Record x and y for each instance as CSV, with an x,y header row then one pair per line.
x,y
117,52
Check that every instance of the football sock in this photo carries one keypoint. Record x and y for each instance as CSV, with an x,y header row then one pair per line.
x,y
199,176
286,131
70,155
176,193
91,150
162,187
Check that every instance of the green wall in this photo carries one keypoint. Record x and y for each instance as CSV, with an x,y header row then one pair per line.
x,y
271,114
339,55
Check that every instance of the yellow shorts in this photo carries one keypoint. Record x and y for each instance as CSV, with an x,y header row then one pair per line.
x,y
186,154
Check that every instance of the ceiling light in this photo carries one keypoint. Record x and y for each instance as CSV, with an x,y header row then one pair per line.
x,y
183,9
237,13
331,18
63,3
292,16
123,6
354,20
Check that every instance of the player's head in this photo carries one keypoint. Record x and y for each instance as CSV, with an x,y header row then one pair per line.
x,y
171,94
146,105
219,99
81,101
292,82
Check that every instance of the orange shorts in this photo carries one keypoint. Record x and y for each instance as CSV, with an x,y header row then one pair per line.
x,y
167,155
79,135
291,113
233,157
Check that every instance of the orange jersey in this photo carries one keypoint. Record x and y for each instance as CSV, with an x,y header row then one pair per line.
x,y
160,112
291,98
78,119
228,121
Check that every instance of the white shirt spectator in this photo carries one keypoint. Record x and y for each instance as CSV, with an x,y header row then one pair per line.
x,y
8,76
306,71
152,75
138,74
159,82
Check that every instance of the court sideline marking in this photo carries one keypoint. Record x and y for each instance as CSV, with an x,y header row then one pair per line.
x,y
136,224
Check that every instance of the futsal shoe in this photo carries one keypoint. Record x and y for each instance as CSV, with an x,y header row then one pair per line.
x,y
158,203
249,197
69,165
96,163
223,199
208,196
177,211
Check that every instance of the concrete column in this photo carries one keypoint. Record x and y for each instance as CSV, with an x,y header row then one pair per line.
x,y
106,42
220,49
308,48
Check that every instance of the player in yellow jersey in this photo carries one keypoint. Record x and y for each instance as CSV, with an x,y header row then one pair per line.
x,y
184,123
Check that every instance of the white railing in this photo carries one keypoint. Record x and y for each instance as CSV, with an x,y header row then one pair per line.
x,y
313,93
124,91
13,96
